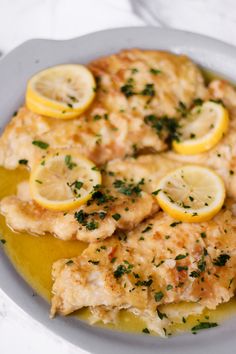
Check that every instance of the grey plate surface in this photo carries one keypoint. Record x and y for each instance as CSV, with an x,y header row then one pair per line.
x,y
37,54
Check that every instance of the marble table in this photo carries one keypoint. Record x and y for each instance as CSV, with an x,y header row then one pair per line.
x,y
61,19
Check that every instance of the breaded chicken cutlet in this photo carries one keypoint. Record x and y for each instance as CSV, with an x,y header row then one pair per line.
x,y
160,262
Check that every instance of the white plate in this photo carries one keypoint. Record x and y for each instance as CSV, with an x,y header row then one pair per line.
x,y
20,65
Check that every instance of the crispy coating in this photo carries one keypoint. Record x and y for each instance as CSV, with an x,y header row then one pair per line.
x,y
159,263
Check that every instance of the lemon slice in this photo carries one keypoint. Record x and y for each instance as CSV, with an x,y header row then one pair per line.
x,y
191,193
202,129
63,91
63,181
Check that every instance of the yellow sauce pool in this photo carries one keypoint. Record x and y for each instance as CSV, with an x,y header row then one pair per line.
x,y
33,258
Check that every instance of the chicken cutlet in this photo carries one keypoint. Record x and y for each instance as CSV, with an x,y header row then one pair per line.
x,y
123,201
131,85
222,157
159,263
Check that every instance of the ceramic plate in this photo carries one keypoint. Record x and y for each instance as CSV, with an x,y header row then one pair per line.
x,y
37,54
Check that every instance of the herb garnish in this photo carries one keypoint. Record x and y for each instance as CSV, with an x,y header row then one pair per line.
x,y
156,192
181,256
204,325
161,315
128,89
146,330
82,218
101,198
155,71
194,274
69,163
148,228
69,262
23,162
128,188
158,296
40,144
123,269
164,125
221,260
93,262
182,109
149,90
197,102
144,282
116,216
180,268
175,223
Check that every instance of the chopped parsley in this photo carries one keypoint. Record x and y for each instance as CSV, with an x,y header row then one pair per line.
x,y
149,90
158,296
38,181
116,216
203,235
175,223
128,188
101,198
219,101
94,262
182,109
169,287
202,263
180,268
197,102
155,71
69,163
181,256
156,192
164,125
82,218
204,325
128,89
148,228
221,260
161,315
123,269
102,215
92,225
134,70
144,282
69,262
3,241
146,330
40,144
23,162
194,274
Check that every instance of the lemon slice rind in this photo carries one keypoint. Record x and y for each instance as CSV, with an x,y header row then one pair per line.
x,y
211,137
52,182
63,91
184,211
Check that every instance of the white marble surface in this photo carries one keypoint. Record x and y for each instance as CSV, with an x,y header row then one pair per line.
x,y
24,19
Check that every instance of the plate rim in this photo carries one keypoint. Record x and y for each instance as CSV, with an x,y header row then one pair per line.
x,y
79,333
